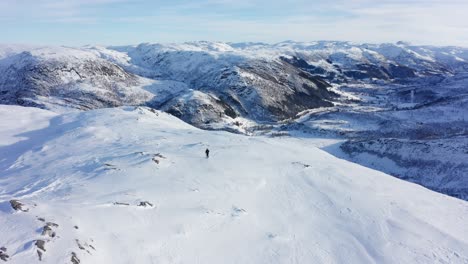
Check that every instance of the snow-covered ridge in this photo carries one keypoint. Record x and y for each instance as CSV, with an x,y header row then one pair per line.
x,y
138,189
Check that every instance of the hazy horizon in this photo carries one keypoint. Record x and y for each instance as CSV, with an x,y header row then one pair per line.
x,y
26,44
124,22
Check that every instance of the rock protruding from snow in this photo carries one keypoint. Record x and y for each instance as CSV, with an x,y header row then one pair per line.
x,y
18,206
3,254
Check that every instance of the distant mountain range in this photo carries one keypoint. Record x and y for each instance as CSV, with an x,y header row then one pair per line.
x,y
253,80
387,100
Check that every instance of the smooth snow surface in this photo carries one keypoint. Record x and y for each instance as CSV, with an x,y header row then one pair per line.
x,y
17,120
255,200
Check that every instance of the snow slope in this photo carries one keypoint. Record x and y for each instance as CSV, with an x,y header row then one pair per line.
x,y
255,200
17,119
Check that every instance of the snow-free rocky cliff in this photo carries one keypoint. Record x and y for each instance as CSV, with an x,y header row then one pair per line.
x,y
388,101
132,185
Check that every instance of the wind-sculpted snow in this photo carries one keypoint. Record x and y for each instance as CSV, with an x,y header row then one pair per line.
x,y
132,185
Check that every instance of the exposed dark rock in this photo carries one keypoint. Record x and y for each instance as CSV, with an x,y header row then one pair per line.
x,y
302,164
40,244
109,166
79,245
119,203
84,246
47,231
51,224
145,204
74,258
159,155
18,206
3,254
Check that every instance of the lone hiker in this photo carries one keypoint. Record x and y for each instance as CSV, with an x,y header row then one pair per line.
x,y
207,152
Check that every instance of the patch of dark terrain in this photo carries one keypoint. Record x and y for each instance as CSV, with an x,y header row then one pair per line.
x,y
3,254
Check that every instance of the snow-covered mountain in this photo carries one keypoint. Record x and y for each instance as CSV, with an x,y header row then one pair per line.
x,y
132,185
253,80
67,77
384,99
263,89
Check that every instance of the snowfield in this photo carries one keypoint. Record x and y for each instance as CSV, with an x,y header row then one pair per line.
x,y
132,185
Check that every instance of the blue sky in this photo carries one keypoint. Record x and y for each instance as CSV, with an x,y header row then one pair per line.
x,y
117,22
